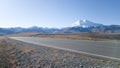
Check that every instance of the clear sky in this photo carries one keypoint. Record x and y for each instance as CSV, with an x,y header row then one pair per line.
x,y
57,13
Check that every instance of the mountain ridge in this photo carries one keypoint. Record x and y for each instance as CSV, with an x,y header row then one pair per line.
x,y
82,26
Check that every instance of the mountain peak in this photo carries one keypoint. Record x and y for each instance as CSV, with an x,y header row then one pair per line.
x,y
86,23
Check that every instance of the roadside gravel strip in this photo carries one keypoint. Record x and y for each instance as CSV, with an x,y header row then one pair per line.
x,y
50,57
106,50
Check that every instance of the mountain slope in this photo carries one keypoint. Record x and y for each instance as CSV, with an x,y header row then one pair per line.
x,y
79,26
86,23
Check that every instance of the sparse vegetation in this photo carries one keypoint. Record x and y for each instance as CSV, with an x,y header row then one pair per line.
x,y
7,55
11,56
16,54
83,36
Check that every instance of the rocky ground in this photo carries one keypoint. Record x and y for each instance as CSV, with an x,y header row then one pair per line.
x,y
36,56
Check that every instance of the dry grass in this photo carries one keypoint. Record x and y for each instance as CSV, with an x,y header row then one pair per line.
x,y
7,58
82,36
9,51
27,34
26,49
79,36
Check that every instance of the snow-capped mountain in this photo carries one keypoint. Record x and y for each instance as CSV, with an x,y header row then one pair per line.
x,y
77,27
86,23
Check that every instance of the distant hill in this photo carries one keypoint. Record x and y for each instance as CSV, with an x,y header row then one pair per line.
x,y
82,26
98,29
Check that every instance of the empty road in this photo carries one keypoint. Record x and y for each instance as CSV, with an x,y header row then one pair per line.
x,y
104,49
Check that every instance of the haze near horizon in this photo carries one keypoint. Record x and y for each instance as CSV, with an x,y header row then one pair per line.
x,y
57,13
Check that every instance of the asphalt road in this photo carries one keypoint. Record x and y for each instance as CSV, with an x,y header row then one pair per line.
x,y
104,49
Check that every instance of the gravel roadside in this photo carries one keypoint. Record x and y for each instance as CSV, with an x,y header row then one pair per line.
x,y
46,57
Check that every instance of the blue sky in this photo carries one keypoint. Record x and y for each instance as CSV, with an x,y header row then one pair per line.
x,y
57,13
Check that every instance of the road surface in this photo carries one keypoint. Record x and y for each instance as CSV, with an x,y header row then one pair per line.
x,y
104,49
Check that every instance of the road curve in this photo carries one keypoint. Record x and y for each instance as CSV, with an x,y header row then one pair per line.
x,y
102,49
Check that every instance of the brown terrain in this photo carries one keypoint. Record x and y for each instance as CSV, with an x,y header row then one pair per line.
x,y
81,36
17,54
